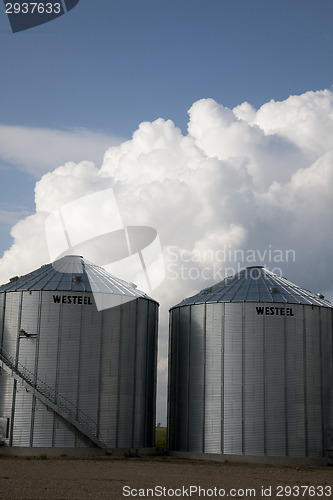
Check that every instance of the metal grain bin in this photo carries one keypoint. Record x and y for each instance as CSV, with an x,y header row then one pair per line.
x,y
72,374
250,369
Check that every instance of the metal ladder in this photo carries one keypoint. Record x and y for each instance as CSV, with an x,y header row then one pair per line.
x,y
62,406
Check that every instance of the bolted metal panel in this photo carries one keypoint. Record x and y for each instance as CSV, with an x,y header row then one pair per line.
x,y
196,379
64,435
126,385
48,346
21,433
11,323
179,394
6,399
140,375
275,382
233,380
183,377
2,314
43,426
6,383
67,383
313,381
89,372
109,380
173,399
254,386
11,319
26,357
327,375
151,373
295,383
96,368
213,378
266,370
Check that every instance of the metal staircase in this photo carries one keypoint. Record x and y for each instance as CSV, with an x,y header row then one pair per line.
x,y
46,394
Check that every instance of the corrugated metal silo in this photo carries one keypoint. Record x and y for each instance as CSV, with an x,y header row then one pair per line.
x,y
250,369
78,359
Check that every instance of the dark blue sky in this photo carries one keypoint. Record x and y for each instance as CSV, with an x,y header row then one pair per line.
x,y
109,65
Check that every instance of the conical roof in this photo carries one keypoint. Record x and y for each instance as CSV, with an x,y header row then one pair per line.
x,y
73,273
256,284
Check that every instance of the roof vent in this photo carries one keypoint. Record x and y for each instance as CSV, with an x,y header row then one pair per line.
x,y
272,290
12,280
77,279
320,296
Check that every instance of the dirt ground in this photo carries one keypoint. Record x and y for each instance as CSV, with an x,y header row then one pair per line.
x,y
156,477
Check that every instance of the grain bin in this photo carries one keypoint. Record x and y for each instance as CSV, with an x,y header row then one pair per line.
x,y
73,374
250,369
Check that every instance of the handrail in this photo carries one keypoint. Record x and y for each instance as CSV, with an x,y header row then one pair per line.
x,y
55,400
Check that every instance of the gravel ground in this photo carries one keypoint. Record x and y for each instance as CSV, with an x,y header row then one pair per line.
x,y
166,477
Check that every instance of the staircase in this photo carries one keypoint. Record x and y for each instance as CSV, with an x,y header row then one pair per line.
x,y
46,394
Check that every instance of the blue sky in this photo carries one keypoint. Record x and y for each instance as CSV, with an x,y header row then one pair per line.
x,y
74,87
109,65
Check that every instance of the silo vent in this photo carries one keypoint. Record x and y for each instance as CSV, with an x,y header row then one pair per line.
x,y
77,279
320,295
12,280
272,290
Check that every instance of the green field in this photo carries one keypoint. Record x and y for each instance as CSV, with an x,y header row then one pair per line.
x,y
161,438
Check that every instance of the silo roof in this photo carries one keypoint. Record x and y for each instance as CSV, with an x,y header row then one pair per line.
x,y
72,273
256,284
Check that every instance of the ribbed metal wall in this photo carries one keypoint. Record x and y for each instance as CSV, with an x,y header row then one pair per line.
x,y
100,363
243,383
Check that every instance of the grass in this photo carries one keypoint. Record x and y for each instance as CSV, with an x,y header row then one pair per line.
x,y
161,438
132,453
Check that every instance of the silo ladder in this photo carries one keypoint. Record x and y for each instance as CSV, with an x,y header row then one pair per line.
x,y
66,409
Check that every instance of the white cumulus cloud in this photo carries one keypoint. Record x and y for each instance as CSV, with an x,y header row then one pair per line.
x,y
242,187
